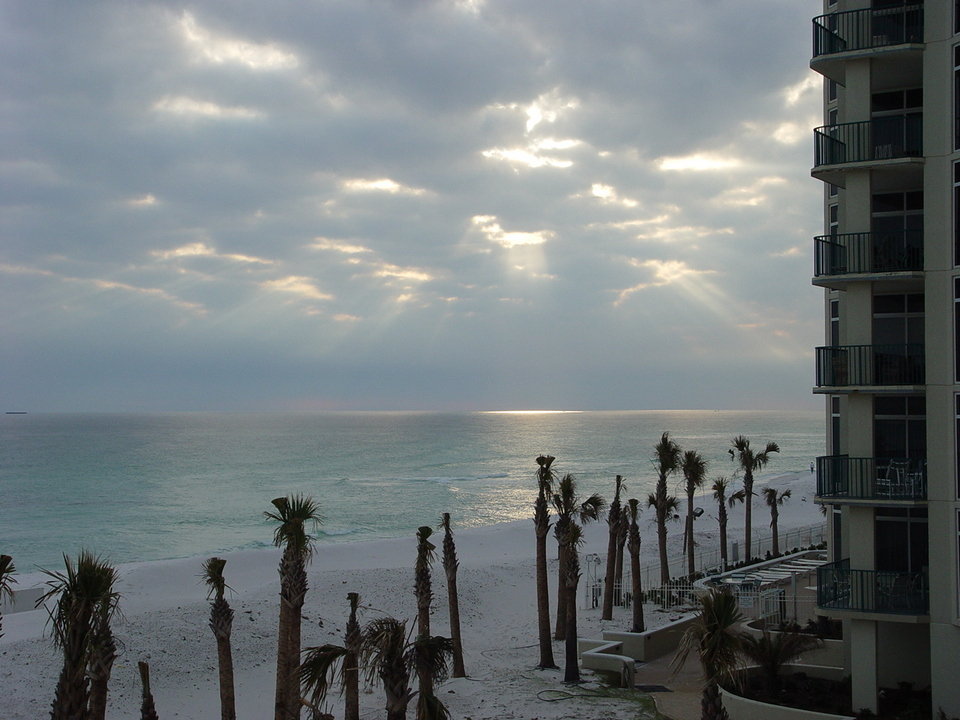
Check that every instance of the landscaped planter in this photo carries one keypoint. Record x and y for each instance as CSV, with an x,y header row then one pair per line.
x,y
830,653
742,708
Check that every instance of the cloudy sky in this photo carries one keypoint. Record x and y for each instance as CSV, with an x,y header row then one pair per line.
x,y
407,204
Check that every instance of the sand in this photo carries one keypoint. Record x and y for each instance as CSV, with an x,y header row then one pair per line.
x,y
165,622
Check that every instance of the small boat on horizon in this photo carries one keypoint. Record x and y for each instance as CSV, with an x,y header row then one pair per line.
x,y
16,412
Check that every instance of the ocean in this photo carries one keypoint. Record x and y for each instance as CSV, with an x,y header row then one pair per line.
x,y
150,487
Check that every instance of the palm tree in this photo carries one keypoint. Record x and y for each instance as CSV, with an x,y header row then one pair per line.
x,y
450,565
570,578
424,592
749,461
694,469
541,520
7,581
771,651
319,664
613,520
292,514
148,710
633,544
720,487
713,637
775,501
570,511
387,653
221,624
86,603
623,529
667,458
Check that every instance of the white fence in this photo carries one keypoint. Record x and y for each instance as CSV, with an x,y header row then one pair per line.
x,y
705,561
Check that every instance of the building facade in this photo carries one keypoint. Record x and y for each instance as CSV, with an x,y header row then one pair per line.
x,y
888,155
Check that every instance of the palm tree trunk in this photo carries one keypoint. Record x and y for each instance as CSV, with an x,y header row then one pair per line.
x,y
776,534
100,667
72,695
748,515
542,520
571,671
637,589
147,709
618,572
221,623
711,704
662,544
287,569
450,566
560,632
610,576
351,669
298,594
689,535
723,535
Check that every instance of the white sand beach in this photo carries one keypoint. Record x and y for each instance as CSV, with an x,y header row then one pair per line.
x,y
165,621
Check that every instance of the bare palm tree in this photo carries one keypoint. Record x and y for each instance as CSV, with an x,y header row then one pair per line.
x,y
148,710
667,458
775,501
570,510
749,461
714,638
424,592
771,651
613,520
721,486
221,624
7,581
86,603
623,529
633,544
292,515
320,663
694,469
450,566
541,519
387,653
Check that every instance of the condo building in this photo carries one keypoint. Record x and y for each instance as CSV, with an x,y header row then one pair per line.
x,y
888,156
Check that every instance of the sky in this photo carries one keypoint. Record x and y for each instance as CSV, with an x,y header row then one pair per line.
x,y
308,205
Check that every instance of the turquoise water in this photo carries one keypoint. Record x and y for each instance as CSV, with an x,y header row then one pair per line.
x,y
147,487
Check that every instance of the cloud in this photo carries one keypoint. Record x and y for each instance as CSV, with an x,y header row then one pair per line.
x,y
296,285
698,162
199,249
221,49
190,107
385,185
490,228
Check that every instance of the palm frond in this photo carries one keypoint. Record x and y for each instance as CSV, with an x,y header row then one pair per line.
x,y
7,581
85,589
430,654
632,509
383,644
738,496
545,475
318,668
212,575
430,707
666,454
293,513
591,508
713,637
694,469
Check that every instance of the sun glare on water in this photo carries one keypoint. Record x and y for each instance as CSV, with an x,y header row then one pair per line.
x,y
531,412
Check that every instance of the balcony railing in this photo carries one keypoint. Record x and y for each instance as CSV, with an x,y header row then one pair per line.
x,y
882,138
866,29
868,252
876,591
870,365
840,476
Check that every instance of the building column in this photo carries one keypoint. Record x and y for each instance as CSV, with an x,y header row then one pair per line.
x,y
863,665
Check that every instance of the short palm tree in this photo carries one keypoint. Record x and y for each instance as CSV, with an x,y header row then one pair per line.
x,y
387,653
148,710
666,456
541,520
450,566
424,592
221,624
721,486
320,663
714,638
694,469
86,603
613,521
633,545
771,651
292,514
775,501
7,581
748,462
571,510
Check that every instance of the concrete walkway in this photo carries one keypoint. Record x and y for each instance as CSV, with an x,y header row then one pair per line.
x,y
682,702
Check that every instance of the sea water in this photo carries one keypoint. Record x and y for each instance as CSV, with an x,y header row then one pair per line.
x,y
148,487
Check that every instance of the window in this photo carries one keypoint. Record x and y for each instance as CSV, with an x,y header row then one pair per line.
x,y
956,213
900,428
956,329
837,534
834,323
901,540
831,90
896,222
956,96
835,425
957,439
833,219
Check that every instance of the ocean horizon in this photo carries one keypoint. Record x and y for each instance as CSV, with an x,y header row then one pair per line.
x,y
135,487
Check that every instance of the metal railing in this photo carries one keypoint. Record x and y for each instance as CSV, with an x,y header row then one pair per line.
x,y
866,29
840,476
881,138
870,365
868,252
877,591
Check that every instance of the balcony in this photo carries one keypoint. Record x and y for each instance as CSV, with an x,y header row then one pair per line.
x,y
893,140
848,257
870,367
872,591
877,32
840,477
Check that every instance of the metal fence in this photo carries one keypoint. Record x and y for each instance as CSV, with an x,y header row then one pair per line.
x,y
706,561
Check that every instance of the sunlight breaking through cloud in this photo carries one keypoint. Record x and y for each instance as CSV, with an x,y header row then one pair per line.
x,y
221,49
199,249
665,272
698,162
297,285
488,225
187,106
386,185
